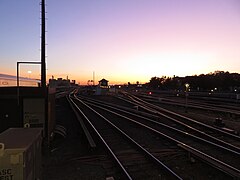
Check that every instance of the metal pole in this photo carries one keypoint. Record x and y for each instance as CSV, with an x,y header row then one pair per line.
x,y
43,69
186,94
43,55
18,82
186,103
93,78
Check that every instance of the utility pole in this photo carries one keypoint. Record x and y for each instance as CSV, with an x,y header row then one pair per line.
x,y
93,78
43,69
43,50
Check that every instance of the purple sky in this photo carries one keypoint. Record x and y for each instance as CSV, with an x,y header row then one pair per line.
x,y
122,40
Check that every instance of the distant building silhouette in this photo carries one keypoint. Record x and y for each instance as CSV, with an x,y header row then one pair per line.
x,y
61,83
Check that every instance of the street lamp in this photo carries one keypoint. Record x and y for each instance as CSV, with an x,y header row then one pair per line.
x,y
29,73
186,95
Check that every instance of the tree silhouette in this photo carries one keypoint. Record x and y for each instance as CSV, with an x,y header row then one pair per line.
x,y
218,81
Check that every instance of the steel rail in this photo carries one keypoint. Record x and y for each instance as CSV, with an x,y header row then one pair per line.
x,y
85,130
104,142
202,106
181,116
232,171
118,106
169,127
235,148
133,141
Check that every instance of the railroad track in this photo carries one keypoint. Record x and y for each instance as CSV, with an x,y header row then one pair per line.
x,y
135,161
158,138
190,125
223,108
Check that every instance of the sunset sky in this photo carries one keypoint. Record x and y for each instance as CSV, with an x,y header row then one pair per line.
x,y
121,40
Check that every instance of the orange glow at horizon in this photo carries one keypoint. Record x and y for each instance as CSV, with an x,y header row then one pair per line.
x,y
122,40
